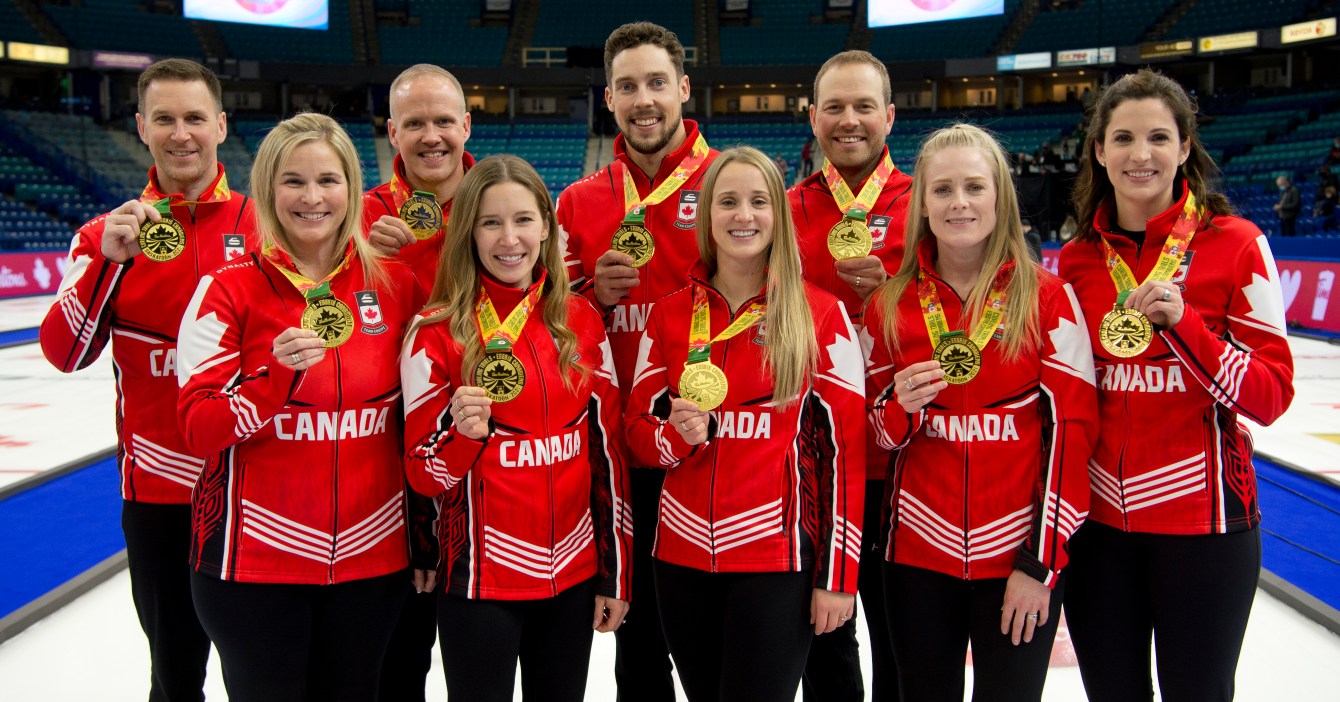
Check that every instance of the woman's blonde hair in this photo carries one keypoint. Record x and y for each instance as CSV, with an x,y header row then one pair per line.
x,y
790,348
1004,245
458,270
278,145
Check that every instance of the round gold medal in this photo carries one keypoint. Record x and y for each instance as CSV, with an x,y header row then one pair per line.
x,y
330,319
704,384
636,241
501,375
423,216
163,240
1125,332
849,238
959,357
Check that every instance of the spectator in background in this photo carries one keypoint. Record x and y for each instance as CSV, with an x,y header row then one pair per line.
x,y
1326,179
1033,239
782,166
1325,208
807,158
1288,206
1333,156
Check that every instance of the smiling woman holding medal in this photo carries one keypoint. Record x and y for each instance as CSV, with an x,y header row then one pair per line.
x,y
748,393
993,421
512,422
1187,318
299,537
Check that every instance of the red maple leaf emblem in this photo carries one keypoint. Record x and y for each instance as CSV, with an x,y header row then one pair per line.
x,y
371,314
688,210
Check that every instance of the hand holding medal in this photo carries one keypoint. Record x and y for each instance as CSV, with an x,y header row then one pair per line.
x,y
330,318
298,349
916,385
422,215
121,230
690,421
164,239
470,411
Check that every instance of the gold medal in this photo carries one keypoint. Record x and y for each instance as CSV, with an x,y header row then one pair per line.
x,y
501,375
1125,332
163,240
330,319
959,357
636,241
849,238
422,214
704,384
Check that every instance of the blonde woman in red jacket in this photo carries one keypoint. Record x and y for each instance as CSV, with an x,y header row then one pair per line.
x,y
982,379
1186,315
512,423
287,362
748,391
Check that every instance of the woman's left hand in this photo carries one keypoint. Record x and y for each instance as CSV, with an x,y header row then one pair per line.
x,y
1160,301
609,613
1025,608
830,610
424,580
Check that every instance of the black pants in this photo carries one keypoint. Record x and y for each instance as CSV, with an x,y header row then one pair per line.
x,y
409,655
484,639
833,670
1288,225
641,660
1191,594
296,643
933,617
736,636
158,549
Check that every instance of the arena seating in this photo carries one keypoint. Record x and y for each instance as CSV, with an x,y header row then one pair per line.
x,y
784,34
559,26
1236,15
1092,24
333,45
120,25
437,35
556,149
15,27
939,40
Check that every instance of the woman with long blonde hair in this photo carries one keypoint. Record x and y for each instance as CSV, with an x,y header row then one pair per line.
x,y
748,392
512,423
981,378
287,364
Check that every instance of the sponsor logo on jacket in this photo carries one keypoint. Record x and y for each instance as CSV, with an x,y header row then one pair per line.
x,y
370,312
528,453
628,318
1132,377
879,229
330,426
1182,269
744,425
686,217
234,245
972,427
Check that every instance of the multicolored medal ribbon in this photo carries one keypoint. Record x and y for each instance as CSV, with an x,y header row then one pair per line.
x,y
960,356
702,382
500,373
632,237
422,215
165,239
1125,332
850,238
331,319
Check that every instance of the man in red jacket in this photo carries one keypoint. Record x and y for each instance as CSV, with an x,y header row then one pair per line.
x,y
649,197
429,126
852,116
115,288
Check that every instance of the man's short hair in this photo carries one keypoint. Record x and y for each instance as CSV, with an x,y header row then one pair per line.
x,y
426,69
635,34
854,57
181,70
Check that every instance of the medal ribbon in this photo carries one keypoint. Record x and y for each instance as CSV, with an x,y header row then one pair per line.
x,y
219,193
1179,238
635,210
499,336
933,312
700,327
164,207
857,207
310,289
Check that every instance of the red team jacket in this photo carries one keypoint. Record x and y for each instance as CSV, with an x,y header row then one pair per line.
x,y
991,474
771,490
538,506
1172,457
590,211
302,481
140,304
815,212
386,199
